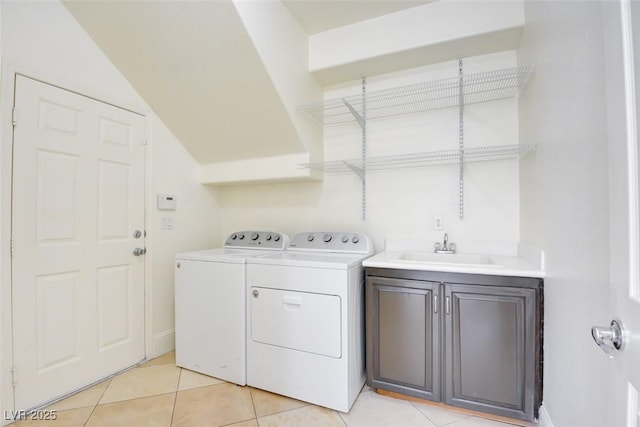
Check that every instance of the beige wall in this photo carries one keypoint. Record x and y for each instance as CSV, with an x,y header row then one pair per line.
x,y
41,39
564,200
400,203
555,200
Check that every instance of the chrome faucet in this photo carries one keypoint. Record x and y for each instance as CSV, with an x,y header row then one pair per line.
x,y
445,247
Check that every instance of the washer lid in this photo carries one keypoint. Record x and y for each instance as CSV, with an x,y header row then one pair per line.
x,y
238,256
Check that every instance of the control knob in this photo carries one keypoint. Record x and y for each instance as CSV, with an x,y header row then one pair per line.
x,y
268,237
327,238
345,239
254,236
277,238
310,238
234,237
241,236
355,239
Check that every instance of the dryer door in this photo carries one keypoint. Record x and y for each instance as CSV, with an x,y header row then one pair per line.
x,y
301,321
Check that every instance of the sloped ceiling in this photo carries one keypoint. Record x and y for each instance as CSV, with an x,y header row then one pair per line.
x,y
197,68
195,65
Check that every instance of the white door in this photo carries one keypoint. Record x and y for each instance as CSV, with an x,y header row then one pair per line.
x,y
78,197
622,46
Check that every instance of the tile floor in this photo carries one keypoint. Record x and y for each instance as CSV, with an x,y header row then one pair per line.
x,y
158,393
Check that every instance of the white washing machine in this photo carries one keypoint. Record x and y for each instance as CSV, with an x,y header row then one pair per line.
x,y
305,318
210,304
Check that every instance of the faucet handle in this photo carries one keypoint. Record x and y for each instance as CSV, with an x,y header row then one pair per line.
x,y
437,246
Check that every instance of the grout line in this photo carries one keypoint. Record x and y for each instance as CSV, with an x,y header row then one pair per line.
x,y
425,415
98,401
131,400
173,409
175,400
342,418
292,409
238,422
253,405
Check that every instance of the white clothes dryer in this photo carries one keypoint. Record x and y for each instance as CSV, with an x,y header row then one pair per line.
x,y
210,304
305,318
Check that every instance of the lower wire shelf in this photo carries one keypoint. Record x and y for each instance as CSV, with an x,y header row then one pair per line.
x,y
422,159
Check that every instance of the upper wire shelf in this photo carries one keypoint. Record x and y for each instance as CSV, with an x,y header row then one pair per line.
x,y
420,97
431,158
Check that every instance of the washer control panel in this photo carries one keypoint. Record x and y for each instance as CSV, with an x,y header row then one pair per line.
x,y
331,241
257,240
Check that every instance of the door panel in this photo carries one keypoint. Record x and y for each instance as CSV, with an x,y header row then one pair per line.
x,y
57,197
404,330
58,326
114,306
485,347
403,336
490,349
78,194
113,195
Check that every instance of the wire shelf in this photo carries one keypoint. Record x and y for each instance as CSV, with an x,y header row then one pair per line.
x,y
420,97
422,159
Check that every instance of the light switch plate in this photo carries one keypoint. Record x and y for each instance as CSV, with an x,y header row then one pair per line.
x,y
167,223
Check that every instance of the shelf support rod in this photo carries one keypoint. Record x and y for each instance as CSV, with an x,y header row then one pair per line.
x,y
461,138
354,113
363,124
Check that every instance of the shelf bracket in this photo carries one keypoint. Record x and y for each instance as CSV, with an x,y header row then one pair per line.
x,y
356,115
355,169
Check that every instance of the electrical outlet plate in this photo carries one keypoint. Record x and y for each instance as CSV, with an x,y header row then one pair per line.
x,y
438,222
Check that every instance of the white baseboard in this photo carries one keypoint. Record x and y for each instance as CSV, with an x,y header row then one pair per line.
x,y
543,418
163,342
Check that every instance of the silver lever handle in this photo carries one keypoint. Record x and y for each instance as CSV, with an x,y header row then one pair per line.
x,y
609,339
139,251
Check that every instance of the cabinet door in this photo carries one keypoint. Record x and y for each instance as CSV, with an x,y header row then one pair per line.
x,y
490,349
403,336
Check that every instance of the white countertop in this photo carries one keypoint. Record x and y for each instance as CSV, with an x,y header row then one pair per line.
x,y
522,262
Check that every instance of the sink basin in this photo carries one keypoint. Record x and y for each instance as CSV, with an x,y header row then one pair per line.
x,y
463,260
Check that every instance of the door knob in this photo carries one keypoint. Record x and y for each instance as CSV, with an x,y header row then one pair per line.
x,y
139,251
609,339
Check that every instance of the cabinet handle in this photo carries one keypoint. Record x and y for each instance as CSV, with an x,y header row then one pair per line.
x,y
447,303
435,303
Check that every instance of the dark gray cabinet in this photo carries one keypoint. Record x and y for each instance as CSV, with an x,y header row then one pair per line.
x,y
403,317
472,341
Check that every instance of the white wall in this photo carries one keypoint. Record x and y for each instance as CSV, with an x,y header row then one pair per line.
x,y
196,222
43,40
400,204
564,200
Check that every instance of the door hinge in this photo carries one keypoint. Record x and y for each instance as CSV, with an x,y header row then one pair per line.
x,y
11,247
145,142
14,116
14,375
